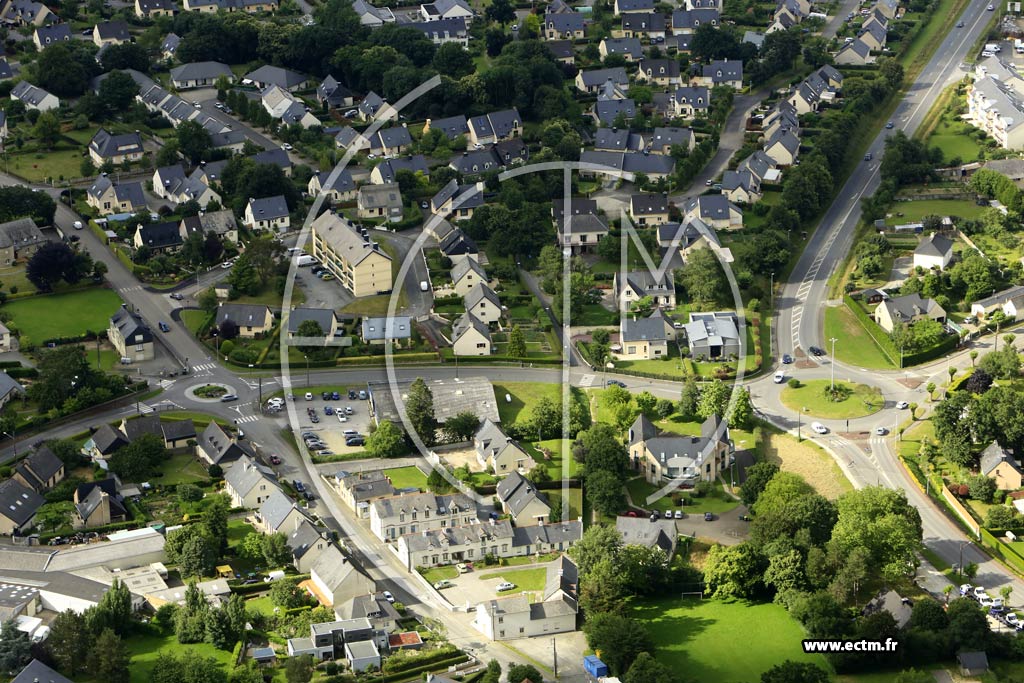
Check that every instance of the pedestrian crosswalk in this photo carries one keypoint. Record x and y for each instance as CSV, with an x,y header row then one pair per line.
x,y
125,290
166,383
144,409
247,418
587,380
204,366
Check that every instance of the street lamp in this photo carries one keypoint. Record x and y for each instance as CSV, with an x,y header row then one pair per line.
x,y
307,368
833,387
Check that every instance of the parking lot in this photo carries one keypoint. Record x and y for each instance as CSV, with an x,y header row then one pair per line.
x,y
321,293
472,588
328,426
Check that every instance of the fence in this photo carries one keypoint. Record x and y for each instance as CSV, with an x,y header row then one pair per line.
x,y
962,512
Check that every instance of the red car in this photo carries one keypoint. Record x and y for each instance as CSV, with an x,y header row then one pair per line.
x,y
274,460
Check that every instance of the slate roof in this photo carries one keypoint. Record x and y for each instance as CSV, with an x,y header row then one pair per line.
x,y
269,208
714,329
106,439
1000,298
275,75
39,467
549,534
322,316
303,538
905,308
458,243
123,192
171,42
642,531
479,293
196,71
5,70
18,503
476,161
460,269
466,322
596,77
131,326
565,23
389,168
140,426
646,204
624,46
332,91
220,447
398,327
692,18
276,508
175,430
559,49
396,136
724,70
245,474
934,245
644,22
995,454
669,136
113,30
48,35
275,156
371,104
148,6
517,492
37,672
607,111
712,207
453,126
643,329
160,235
28,93
243,315
20,233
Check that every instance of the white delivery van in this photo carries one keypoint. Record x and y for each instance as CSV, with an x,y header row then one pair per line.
x,y
305,260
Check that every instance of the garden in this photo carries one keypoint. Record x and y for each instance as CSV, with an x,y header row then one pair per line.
x,y
67,315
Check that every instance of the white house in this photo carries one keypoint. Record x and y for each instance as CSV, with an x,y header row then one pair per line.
x,y
934,251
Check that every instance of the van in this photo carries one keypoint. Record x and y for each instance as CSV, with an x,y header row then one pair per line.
x,y
992,47
305,260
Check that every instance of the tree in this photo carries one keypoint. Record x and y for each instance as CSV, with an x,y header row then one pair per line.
x,y
522,672
714,399
63,373
116,605
605,589
734,571
250,673
286,593
454,60
758,476
884,523
546,418
689,397
51,263
600,449
47,129
60,70
493,672
462,426
598,542
643,568
218,629
516,339
702,278
109,659
276,552
298,669
1002,517
968,626
419,408
646,669
215,521
139,460
387,441
928,615
18,201
189,493
69,641
118,90
646,401
605,493
194,141
501,12
619,638
795,672
981,487
742,414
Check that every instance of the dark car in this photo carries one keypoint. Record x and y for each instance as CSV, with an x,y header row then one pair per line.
x,y
615,383
308,496
889,126
164,327
351,394
326,396
335,395
815,351
355,441
787,359
177,297
708,517
274,460
228,398
298,486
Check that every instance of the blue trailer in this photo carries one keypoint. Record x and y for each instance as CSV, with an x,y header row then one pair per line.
x,y
594,666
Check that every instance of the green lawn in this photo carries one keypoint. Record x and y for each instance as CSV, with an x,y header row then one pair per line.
x,y
715,503
436,574
915,211
524,579
953,139
855,346
63,315
145,649
554,466
182,468
194,319
715,642
108,358
238,530
407,477
810,398
525,396
57,165
262,604
14,276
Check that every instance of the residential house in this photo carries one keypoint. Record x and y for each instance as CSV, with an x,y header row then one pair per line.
x,y
394,330
6,339
18,507
873,35
200,75
306,543
466,274
445,546
690,101
516,617
359,489
648,209
617,140
741,187
372,16
609,112
498,452
108,198
266,76
391,142
178,433
713,335
629,48
9,389
170,183
668,457
934,251
471,336
446,9
452,127
411,513
37,672
249,483
1010,301
267,213
783,147
722,72
98,504
998,464
276,156
40,471
33,97
26,13
907,310
252,319
457,245
687,21
997,109
343,189
149,9
116,149
372,105
380,201
457,202
715,210
591,81
130,335
328,639
373,606
19,239
221,223
158,237
216,447
637,284
494,127
582,232
279,513
483,303
361,267
564,26
104,442
972,664
663,72
856,53
387,170
520,498
645,25
326,318
649,533
644,338
441,31
331,93
627,6
45,36
665,138
363,655
282,104
476,162
110,33
170,45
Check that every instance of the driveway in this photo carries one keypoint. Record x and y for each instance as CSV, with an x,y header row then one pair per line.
x,y
727,528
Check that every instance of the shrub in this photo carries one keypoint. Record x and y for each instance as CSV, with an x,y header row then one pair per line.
x,y
793,383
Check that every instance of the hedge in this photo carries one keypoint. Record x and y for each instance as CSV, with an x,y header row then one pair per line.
x,y
889,349
22,373
414,661
414,674
1002,550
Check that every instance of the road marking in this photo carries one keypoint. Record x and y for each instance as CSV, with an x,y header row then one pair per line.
x,y
204,366
247,418
166,383
587,380
136,288
144,409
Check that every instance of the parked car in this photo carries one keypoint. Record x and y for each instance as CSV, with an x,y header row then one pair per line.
x,y
326,396
979,592
442,584
355,441
328,410
668,514
708,517
819,428
388,596
680,514
363,395
505,586
351,394
274,460
78,225
335,396
341,417
462,567
779,377
786,359
299,486
309,396
965,588
286,147
889,125
1012,619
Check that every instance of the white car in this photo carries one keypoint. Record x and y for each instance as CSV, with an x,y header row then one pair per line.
x,y
985,601
1012,619
902,405
965,588
819,428
388,596
286,147
881,431
779,377
309,396
997,603
979,592
505,586
78,225
342,418
197,105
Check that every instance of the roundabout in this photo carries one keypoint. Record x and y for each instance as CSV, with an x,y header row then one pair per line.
x,y
208,393
848,401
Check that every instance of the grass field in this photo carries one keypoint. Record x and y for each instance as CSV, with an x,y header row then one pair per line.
x,y
712,640
952,138
810,396
194,319
435,574
14,276
916,210
63,315
182,468
639,489
813,464
407,477
525,395
524,579
856,346
554,466
145,649
57,165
